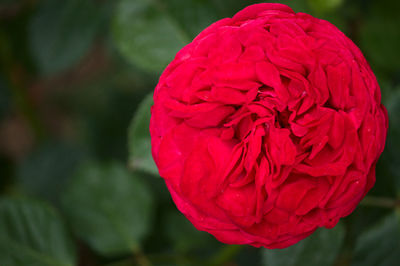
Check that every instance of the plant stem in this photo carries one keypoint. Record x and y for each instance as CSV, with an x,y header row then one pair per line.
x,y
382,202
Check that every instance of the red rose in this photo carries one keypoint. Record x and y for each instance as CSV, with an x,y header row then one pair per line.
x,y
267,126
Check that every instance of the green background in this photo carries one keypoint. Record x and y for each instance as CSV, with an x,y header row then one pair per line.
x,y
77,182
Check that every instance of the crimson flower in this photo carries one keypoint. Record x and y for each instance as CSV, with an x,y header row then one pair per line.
x,y
267,126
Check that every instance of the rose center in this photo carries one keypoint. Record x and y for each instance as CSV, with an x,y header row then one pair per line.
x,y
282,118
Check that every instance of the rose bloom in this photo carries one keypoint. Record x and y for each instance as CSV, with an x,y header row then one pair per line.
x,y
267,126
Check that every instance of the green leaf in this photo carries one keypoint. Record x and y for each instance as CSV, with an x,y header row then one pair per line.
x,y
321,248
323,6
380,245
183,234
380,38
139,138
109,208
193,16
389,164
31,233
146,34
45,171
62,31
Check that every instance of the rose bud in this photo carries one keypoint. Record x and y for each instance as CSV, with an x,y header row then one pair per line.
x,y
267,126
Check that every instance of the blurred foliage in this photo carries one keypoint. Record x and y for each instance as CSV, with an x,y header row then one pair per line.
x,y
391,166
108,207
61,32
37,174
77,180
182,234
139,138
32,233
321,248
146,34
387,234
379,35
4,99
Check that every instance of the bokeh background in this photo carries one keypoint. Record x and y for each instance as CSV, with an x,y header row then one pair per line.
x,y
77,182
